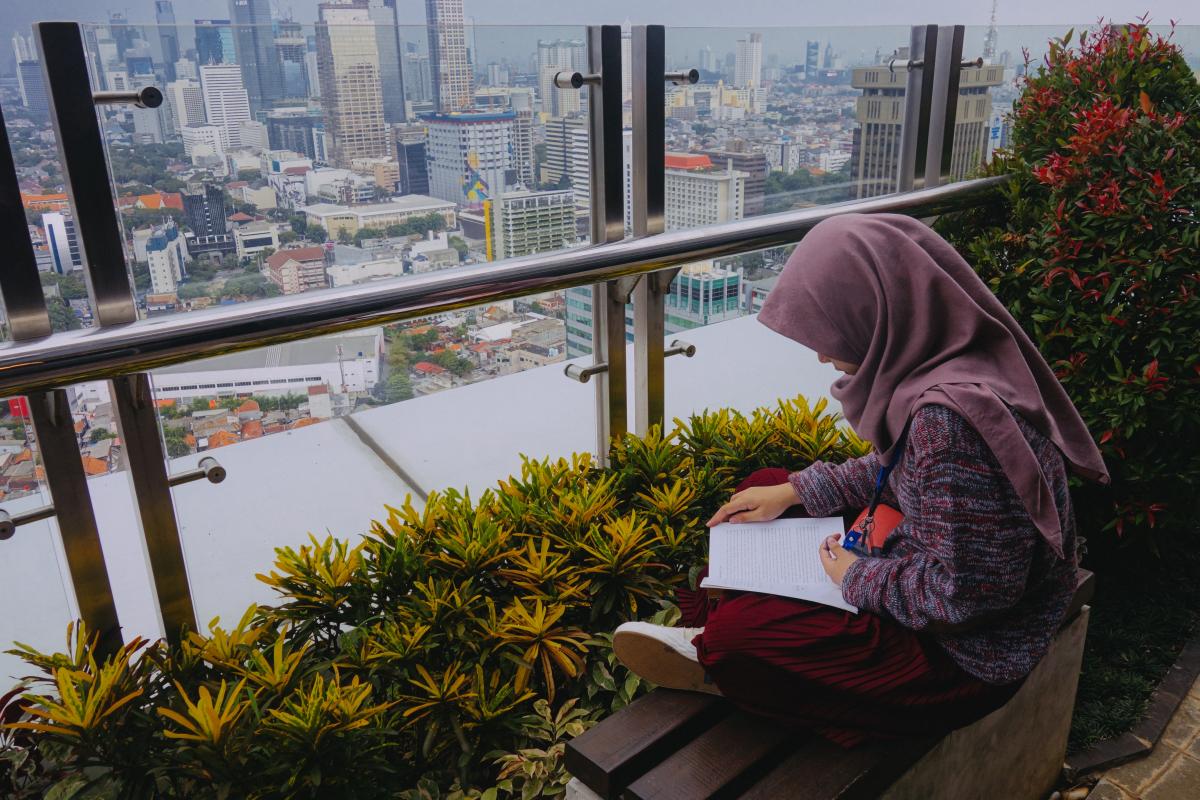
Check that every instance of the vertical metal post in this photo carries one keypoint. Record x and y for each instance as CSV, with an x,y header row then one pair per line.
x,y
918,95
943,109
649,218
607,225
54,427
85,170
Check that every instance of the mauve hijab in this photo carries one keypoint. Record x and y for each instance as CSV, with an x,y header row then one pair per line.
x,y
886,292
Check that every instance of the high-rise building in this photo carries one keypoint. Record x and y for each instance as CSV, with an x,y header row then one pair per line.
x,y
560,55
413,163
293,129
186,99
214,42
880,113
63,241
122,32
754,165
698,193
226,101
566,163
828,61
418,78
707,61
204,208
351,94
203,145
523,147
254,41
23,48
166,254
168,36
387,43
522,223
812,59
451,72
470,155
291,48
33,87
747,69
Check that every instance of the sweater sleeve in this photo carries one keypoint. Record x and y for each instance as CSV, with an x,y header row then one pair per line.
x,y
827,489
973,554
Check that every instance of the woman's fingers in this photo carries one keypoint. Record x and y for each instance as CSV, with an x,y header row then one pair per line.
x,y
733,511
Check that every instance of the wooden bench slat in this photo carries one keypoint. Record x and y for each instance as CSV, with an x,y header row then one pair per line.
x,y
731,754
820,770
609,756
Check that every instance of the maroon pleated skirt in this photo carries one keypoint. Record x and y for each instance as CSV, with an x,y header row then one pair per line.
x,y
849,677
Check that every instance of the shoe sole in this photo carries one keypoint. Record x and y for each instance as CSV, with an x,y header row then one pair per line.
x,y
660,664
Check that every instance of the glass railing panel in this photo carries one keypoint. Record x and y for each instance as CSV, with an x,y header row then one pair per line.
x,y
318,435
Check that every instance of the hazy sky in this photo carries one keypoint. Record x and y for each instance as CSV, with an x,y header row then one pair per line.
x,y
689,13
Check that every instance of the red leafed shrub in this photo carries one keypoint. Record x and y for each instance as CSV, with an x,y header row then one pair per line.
x,y
1095,249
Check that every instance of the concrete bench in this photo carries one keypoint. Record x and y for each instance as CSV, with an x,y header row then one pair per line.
x,y
672,744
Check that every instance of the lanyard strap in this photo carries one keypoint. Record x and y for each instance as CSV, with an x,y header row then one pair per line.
x,y
881,480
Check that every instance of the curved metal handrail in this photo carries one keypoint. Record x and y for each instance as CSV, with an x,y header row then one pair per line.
x,y
91,354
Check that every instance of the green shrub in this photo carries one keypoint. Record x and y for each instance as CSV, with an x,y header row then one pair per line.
x,y
449,652
1096,251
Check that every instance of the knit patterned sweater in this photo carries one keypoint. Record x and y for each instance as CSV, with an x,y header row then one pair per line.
x,y
967,565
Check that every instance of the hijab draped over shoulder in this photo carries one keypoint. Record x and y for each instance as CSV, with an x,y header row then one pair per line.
x,y
886,292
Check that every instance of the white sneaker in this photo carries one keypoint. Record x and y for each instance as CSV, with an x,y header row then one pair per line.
x,y
662,655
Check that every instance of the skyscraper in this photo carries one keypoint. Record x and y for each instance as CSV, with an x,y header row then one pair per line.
x,y
23,48
828,63
226,104
410,152
351,94
33,87
451,72
254,41
566,161
470,155
747,68
186,99
387,41
168,36
812,59
214,42
205,210
63,240
698,193
560,55
291,48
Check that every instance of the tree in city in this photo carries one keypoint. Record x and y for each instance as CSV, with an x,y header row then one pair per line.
x,y
453,362
362,234
176,441
287,237
62,318
460,245
344,236
399,387
100,434
398,353
299,223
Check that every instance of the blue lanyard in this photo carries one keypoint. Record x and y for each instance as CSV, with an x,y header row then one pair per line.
x,y
854,538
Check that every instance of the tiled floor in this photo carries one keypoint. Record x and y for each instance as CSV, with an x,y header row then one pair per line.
x,y
1171,771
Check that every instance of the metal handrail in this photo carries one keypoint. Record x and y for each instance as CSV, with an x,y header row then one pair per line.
x,y
91,354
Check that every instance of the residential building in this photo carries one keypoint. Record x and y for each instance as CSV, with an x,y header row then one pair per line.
x,y
351,92
384,172
345,362
62,238
214,42
226,102
560,55
339,186
470,155
523,147
880,114
754,165
747,70
252,238
524,222
299,269
254,42
698,194
377,216
168,36
166,253
566,164
33,87
449,67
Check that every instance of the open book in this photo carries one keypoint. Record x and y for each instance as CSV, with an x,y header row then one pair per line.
x,y
779,557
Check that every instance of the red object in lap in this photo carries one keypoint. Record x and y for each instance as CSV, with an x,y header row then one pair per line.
x,y
849,677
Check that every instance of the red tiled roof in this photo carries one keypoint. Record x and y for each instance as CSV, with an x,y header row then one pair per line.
x,y
249,405
300,254
687,161
220,439
304,422
427,368
295,170
237,184
322,389
44,201
240,216
252,430
94,466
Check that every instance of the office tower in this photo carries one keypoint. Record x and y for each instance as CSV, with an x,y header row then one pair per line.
x,y
204,208
707,61
253,135
387,42
812,59
33,87
168,36
214,42
203,145
292,129
470,155
560,55
351,95
185,69
450,71
254,41
747,68
754,165
522,223
226,101
828,63
626,63
498,75
63,240
523,149
121,32
880,114
187,102
700,193
291,48
566,161
418,78
24,48
310,70
410,153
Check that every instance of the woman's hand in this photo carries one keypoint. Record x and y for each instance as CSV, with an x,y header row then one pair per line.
x,y
757,504
835,559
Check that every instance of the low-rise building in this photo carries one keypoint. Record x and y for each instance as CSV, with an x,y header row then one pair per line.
x,y
299,269
252,238
377,216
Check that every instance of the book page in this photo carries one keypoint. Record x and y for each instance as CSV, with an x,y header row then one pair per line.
x,y
779,557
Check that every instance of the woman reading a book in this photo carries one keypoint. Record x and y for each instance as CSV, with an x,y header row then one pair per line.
x,y
959,601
